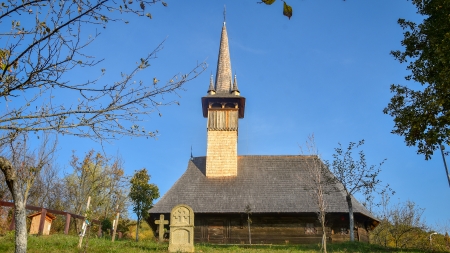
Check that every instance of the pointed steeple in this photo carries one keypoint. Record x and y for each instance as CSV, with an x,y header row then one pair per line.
x,y
235,90
211,90
224,93
223,75
223,106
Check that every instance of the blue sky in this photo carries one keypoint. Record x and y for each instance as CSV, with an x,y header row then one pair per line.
x,y
326,72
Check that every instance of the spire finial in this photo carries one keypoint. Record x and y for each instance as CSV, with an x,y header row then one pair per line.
x,y
224,14
211,90
192,157
235,89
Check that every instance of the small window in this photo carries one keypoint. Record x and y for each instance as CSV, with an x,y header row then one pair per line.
x,y
216,105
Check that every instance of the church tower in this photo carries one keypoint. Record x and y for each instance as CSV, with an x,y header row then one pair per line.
x,y
223,106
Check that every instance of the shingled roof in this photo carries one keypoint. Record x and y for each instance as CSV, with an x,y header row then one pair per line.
x,y
269,184
223,75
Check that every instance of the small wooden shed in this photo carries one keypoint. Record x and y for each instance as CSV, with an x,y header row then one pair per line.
x,y
36,220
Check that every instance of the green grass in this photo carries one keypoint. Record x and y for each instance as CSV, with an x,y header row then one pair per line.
x,y
347,247
67,243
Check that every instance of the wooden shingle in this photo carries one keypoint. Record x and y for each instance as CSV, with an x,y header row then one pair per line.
x,y
269,184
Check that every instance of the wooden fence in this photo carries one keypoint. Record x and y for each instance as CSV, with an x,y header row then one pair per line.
x,y
44,212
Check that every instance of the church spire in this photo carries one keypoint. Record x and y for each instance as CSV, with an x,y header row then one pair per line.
x,y
223,106
223,75
235,90
211,90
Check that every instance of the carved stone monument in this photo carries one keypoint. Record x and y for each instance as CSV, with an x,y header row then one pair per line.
x,y
181,229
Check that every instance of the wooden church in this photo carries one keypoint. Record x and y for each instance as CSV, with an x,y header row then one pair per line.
x,y
222,186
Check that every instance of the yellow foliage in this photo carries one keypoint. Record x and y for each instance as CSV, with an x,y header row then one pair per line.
x,y
145,232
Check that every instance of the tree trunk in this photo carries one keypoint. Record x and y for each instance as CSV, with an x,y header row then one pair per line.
x,y
324,235
249,234
351,218
137,230
249,231
19,205
21,222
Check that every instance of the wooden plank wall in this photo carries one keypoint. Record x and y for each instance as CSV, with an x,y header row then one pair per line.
x,y
280,229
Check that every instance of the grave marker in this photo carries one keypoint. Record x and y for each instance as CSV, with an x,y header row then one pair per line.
x,y
161,222
181,229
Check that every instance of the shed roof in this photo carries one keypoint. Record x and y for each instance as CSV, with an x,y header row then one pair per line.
x,y
269,184
49,215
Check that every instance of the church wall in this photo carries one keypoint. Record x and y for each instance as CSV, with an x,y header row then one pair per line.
x,y
273,229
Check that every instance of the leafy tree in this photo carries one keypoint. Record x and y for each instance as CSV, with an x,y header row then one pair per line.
x,y
422,114
43,41
99,177
142,194
106,225
355,176
406,224
401,226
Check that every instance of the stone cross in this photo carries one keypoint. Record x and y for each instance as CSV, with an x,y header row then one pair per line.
x,y
181,216
161,222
